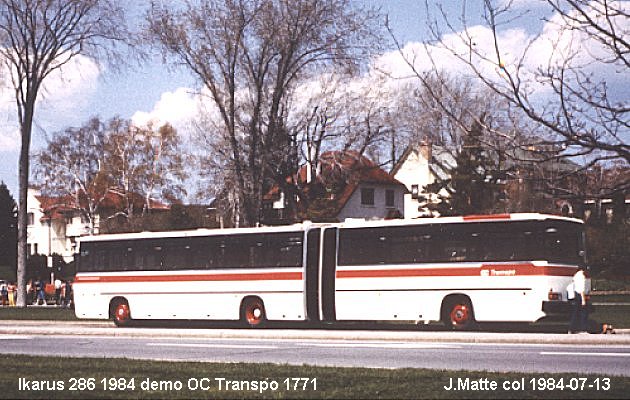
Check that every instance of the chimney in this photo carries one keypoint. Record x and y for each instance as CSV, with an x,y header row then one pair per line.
x,y
426,149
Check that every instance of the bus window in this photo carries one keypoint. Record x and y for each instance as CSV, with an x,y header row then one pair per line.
x,y
102,261
276,250
499,246
460,244
85,259
362,246
116,259
206,253
141,258
128,259
455,251
563,245
408,246
174,257
234,252
284,250
257,254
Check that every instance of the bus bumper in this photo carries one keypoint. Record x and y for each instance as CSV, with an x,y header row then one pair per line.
x,y
556,310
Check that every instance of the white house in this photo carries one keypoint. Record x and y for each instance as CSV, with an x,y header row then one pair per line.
x,y
418,167
53,226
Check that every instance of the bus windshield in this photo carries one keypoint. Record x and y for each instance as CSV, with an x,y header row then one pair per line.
x,y
563,242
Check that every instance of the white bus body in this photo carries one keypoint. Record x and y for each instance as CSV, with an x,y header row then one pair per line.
x,y
501,268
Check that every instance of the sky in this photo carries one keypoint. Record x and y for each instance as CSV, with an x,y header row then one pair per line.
x,y
155,91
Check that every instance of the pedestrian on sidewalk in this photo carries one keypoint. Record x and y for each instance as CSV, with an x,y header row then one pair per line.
x,y
12,294
41,293
579,308
4,293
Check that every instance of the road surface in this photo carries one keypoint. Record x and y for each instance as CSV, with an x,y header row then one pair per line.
x,y
530,353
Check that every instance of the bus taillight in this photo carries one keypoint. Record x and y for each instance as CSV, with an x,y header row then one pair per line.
x,y
553,295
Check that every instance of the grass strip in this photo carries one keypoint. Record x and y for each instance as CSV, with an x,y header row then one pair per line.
x,y
91,378
617,315
38,313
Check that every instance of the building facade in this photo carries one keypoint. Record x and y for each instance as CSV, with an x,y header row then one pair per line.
x,y
346,185
53,226
418,167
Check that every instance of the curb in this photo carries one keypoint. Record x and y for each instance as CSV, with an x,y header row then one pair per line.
x,y
72,328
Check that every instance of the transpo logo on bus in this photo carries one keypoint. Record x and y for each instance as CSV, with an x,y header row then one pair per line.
x,y
498,272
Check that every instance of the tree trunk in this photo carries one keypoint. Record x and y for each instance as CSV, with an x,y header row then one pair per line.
x,y
22,253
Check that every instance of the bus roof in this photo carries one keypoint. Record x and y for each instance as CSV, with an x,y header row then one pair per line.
x,y
460,219
355,223
196,232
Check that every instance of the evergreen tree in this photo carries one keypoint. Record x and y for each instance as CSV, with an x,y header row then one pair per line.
x,y
473,186
8,229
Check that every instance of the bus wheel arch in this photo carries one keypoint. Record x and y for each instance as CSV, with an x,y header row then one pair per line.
x,y
457,312
119,311
253,311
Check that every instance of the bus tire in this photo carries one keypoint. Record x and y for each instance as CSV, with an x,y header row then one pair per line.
x,y
120,312
458,313
253,312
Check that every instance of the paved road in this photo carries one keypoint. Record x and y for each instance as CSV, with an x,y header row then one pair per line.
x,y
599,358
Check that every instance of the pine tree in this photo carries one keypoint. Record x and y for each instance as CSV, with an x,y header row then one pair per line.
x,y
8,231
473,184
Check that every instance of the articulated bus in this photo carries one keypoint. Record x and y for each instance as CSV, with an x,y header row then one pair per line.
x,y
457,270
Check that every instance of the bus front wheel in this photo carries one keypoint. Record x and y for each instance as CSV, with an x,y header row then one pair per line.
x,y
458,313
120,312
253,312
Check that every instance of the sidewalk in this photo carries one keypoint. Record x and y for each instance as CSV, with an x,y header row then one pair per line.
x,y
106,328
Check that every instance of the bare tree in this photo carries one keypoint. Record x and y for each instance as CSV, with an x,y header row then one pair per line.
x,y
250,56
124,143
74,165
162,165
99,160
579,115
38,37
334,112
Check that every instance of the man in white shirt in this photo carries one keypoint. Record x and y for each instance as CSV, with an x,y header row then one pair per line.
x,y
58,291
579,311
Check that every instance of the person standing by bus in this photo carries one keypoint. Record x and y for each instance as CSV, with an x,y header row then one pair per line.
x,y
579,310
67,295
4,292
58,284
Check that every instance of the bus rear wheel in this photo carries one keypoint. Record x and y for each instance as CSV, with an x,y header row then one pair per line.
x,y
120,312
458,314
253,312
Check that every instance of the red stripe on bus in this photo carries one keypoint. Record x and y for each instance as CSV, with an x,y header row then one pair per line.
x,y
489,216
484,270
262,276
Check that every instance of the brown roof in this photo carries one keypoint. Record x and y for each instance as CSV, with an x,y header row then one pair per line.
x,y
349,169
55,207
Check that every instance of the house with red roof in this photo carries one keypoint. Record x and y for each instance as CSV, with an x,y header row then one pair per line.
x,y
54,222
343,185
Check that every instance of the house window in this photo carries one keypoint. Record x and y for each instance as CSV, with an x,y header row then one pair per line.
x,y
31,218
367,197
389,198
35,249
415,191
